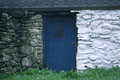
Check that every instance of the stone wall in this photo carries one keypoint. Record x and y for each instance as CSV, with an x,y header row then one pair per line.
x,y
98,39
20,42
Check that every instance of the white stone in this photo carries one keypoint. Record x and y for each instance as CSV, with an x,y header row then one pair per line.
x,y
101,31
84,30
106,61
83,37
82,56
116,65
106,66
83,46
109,17
34,30
83,23
84,42
105,25
115,37
95,17
79,67
103,44
100,36
94,57
87,12
94,35
115,62
102,52
117,52
83,61
95,24
79,16
97,62
99,44
116,34
85,66
105,36
110,26
115,22
87,17
87,51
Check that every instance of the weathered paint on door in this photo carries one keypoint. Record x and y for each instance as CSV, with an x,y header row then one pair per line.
x,y
59,34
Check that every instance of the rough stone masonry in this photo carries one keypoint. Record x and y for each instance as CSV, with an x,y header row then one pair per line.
x,y
20,42
98,39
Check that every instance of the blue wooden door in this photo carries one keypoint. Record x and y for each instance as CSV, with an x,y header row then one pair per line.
x,y
59,32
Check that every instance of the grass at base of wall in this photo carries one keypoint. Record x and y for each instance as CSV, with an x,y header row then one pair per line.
x,y
44,74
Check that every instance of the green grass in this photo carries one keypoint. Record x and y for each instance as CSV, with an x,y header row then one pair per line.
x,y
44,74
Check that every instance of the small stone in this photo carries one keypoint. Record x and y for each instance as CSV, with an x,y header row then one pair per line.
x,y
6,57
101,31
1,60
83,37
87,17
109,17
85,66
83,23
83,46
82,56
84,30
95,57
84,42
26,62
35,65
13,63
26,49
87,51
6,69
95,24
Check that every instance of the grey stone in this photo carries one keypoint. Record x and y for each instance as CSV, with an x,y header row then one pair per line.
x,y
26,49
6,57
1,60
7,69
13,63
35,65
16,36
26,62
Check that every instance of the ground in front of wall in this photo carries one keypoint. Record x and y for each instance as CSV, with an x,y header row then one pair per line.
x,y
44,74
